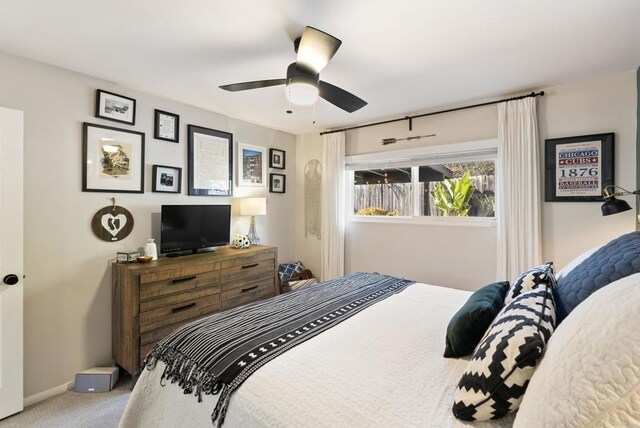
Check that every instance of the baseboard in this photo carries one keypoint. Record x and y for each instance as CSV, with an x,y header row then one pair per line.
x,y
28,401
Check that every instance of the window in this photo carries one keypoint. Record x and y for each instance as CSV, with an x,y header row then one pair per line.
x,y
449,181
384,191
463,189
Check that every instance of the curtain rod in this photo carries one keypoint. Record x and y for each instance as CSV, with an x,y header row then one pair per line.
x,y
410,118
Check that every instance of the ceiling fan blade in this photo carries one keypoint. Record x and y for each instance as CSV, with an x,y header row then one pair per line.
x,y
340,98
316,50
235,87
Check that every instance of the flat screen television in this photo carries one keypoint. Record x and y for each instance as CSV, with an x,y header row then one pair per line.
x,y
188,229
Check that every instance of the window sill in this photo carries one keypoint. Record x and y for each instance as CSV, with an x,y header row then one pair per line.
x,y
427,220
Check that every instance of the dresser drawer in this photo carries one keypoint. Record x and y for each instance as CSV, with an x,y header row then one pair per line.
x,y
246,260
149,339
181,311
246,294
177,284
154,336
173,299
257,277
178,271
248,269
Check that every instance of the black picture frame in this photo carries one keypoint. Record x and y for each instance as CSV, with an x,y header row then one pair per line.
x,y
115,107
99,171
589,157
166,126
166,179
277,158
277,183
210,162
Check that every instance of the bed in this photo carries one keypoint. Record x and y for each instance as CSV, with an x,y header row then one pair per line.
x,y
384,367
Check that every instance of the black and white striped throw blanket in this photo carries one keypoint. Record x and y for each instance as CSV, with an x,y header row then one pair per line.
x,y
216,354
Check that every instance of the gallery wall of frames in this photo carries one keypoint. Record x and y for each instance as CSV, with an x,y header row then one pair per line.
x,y
114,157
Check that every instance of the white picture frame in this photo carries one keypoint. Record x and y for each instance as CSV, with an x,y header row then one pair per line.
x,y
252,166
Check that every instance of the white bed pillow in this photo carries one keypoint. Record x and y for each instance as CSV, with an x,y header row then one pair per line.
x,y
575,262
590,373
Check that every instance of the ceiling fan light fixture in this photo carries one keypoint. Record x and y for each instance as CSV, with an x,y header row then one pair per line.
x,y
303,86
301,91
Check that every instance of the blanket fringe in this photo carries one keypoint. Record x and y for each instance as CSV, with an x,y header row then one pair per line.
x,y
222,405
179,368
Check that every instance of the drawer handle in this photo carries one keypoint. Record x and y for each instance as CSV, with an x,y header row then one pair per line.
x,y
186,278
183,308
249,266
244,290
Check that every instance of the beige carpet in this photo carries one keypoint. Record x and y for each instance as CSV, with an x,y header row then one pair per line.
x,y
75,410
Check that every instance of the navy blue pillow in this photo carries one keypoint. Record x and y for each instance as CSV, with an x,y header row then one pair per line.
x,y
618,259
287,270
469,324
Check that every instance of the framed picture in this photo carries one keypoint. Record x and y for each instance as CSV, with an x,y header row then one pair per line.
x,y
210,160
112,159
251,165
166,126
115,107
577,169
277,183
167,179
277,158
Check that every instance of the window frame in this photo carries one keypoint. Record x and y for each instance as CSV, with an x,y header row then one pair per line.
x,y
433,155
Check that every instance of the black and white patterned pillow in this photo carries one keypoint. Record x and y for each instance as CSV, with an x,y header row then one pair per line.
x,y
497,376
530,280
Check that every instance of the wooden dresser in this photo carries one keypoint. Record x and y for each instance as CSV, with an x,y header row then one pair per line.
x,y
150,300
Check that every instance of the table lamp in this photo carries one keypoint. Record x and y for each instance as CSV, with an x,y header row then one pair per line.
x,y
253,207
611,204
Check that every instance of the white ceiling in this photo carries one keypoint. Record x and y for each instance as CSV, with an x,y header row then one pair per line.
x,y
401,56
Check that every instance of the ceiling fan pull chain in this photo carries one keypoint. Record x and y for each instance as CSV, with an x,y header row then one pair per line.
x,y
314,113
289,111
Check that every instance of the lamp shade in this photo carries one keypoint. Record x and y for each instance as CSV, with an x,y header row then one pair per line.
x,y
614,206
253,206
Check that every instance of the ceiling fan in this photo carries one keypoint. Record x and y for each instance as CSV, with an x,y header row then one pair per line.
x,y
303,85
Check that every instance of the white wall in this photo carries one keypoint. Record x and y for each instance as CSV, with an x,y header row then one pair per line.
x,y
68,286
465,256
589,107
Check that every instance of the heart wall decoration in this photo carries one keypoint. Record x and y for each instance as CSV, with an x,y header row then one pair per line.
x,y
112,223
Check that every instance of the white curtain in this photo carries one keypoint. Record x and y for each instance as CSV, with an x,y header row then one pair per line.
x,y
518,188
333,206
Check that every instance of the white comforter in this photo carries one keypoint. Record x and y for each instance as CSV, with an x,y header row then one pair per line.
x,y
382,367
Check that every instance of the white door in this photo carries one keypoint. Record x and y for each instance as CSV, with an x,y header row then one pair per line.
x,y
11,255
